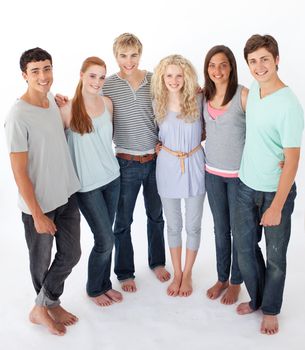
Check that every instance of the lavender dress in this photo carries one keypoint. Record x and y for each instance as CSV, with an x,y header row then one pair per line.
x,y
179,135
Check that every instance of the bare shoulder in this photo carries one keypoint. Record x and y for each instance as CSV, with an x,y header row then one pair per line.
x,y
66,115
244,97
108,104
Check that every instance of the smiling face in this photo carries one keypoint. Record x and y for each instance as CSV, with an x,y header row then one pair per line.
x,y
93,79
219,69
39,76
173,78
128,60
262,64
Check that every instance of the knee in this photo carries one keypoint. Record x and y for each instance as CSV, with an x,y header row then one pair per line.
x,y
105,245
73,257
193,230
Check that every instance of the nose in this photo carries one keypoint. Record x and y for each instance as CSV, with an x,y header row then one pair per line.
x,y
42,74
217,69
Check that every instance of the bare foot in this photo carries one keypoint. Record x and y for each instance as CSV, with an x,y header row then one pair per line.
x,y
114,295
173,288
269,325
129,286
60,315
231,295
244,309
186,287
215,291
162,274
39,315
102,300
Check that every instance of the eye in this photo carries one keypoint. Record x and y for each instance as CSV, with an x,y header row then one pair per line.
x,y
92,75
102,77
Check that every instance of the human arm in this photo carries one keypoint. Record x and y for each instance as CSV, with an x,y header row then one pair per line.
x,y
244,97
108,104
66,115
19,163
272,216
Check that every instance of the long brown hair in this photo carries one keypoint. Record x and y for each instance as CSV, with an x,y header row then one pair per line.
x,y
210,88
81,121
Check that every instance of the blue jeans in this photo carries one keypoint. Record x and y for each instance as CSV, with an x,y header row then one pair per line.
x,y
133,175
48,278
98,207
222,200
264,282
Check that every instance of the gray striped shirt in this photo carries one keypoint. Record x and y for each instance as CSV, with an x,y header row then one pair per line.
x,y
133,116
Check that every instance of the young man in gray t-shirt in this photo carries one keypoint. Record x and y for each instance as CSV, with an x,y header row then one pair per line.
x,y
46,182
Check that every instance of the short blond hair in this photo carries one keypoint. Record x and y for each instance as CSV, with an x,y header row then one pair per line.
x,y
127,40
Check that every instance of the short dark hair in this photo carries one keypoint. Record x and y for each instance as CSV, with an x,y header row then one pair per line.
x,y
209,86
258,41
33,55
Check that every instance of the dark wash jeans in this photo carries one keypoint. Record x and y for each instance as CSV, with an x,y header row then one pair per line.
x,y
98,207
133,175
67,237
222,193
264,282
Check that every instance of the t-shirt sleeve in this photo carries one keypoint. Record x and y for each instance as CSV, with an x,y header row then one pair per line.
x,y
16,135
292,126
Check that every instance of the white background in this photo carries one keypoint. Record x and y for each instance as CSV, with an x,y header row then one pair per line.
x,y
72,31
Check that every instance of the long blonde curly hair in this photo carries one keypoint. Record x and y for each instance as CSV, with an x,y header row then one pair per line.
x,y
189,110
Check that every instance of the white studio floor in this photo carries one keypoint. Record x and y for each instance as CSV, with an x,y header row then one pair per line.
x,y
148,319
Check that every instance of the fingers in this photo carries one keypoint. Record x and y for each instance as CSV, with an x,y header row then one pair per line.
x,y
61,100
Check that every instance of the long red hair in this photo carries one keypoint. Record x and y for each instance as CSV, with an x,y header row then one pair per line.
x,y
81,121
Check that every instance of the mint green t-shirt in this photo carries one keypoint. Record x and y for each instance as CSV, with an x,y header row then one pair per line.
x,y
273,123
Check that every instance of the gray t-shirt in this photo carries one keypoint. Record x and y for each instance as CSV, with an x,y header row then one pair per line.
x,y
39,131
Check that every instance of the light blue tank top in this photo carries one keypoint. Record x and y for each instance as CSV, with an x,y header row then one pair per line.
x,y
92,154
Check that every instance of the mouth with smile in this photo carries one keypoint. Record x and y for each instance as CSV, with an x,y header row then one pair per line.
x,y
261,73
95,87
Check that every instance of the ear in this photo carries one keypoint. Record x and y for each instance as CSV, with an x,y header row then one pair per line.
x,y
277,60
81,74
24,76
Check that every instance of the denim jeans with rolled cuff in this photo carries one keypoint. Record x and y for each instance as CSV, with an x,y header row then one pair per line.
x,y
264,280
48,277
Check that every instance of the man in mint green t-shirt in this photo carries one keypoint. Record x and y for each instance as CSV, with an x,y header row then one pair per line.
x,y
266,193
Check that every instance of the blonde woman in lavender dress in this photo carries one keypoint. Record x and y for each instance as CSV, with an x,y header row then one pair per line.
x,y
180,162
